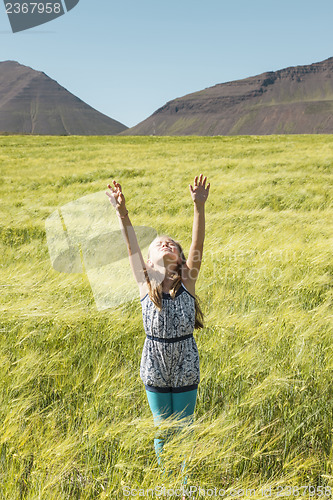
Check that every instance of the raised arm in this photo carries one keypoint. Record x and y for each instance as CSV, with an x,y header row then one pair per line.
x,y
199,193
137,263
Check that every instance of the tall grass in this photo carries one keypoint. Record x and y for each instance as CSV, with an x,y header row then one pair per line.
x,y
75,423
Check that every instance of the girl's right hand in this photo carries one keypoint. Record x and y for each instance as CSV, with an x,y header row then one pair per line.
x,y
116,197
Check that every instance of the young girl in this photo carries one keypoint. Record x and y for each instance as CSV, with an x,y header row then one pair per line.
x,y
170,361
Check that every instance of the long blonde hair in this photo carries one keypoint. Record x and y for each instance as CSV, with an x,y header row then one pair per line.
x,y
155,287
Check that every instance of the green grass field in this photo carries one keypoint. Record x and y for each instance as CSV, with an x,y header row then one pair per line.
x,y
75,423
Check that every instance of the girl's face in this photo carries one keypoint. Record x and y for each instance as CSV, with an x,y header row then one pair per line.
x,y
163,250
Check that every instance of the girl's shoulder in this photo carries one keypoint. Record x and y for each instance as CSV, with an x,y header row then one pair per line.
x,y
143,289
143,285
187,290
187,281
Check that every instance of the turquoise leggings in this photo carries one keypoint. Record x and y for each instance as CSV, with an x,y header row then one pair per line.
x,y
166,404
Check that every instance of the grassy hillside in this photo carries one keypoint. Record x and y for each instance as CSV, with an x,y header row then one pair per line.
x,y
75,423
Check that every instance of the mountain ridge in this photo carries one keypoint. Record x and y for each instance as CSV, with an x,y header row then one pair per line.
x,y
297,99
33,103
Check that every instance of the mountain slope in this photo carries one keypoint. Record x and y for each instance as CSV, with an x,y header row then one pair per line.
x,y
33,103
293,100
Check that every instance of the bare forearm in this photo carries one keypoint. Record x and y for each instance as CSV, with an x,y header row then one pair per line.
x,y
134,252
129,235
128,232
198,231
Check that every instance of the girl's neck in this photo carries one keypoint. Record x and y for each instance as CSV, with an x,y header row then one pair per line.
x,y
167,283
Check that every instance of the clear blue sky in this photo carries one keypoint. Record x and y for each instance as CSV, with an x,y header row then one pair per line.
x,y
127,58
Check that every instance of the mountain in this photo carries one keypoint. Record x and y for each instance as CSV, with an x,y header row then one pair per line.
x,y
33,103
295,100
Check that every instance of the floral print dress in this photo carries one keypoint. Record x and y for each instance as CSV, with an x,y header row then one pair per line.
x,y
170,358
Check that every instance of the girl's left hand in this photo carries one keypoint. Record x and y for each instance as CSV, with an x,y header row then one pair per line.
x,y
200,192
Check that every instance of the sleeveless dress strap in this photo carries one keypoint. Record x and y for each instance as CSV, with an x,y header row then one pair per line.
x,y
187,290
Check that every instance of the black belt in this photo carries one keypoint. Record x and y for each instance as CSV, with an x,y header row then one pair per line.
x,y
171,340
